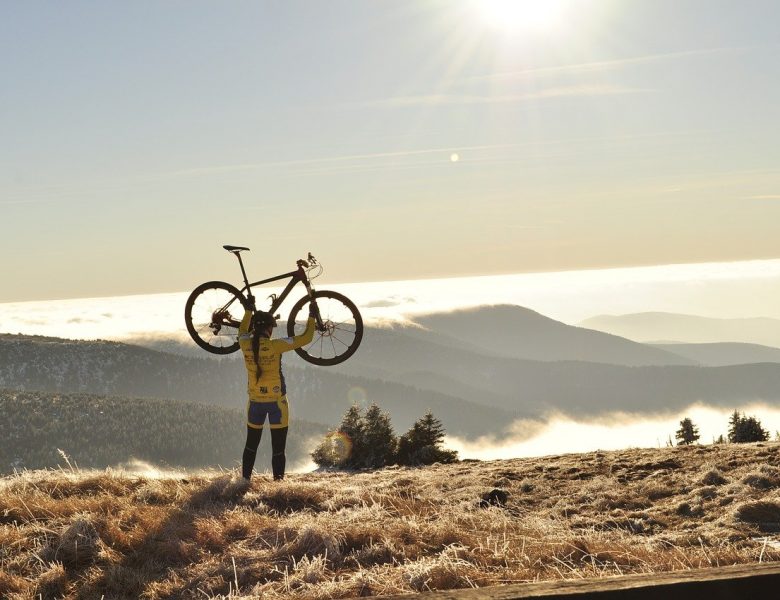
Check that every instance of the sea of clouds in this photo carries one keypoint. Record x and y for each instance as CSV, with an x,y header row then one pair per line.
x,y
728,290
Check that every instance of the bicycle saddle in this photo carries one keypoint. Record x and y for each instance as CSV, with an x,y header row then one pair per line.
x,y
235,248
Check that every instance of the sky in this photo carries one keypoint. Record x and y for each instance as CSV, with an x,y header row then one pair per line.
x,y
394,139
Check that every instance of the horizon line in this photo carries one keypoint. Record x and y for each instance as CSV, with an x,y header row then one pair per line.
x,y
559,272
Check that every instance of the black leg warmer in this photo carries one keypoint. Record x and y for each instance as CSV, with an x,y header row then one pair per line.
x,y
278,443
250,450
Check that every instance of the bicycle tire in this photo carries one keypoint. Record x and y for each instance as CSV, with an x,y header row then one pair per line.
x,y
215,336
349,327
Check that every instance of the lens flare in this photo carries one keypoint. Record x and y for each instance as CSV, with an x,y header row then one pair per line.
x,y
337,447
357,395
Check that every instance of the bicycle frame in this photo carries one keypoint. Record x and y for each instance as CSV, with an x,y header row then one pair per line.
x,y
296,276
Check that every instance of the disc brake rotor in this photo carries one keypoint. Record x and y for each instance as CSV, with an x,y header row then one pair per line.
x,y
328,327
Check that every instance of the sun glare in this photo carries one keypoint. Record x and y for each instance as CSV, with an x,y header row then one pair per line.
x,y
517,15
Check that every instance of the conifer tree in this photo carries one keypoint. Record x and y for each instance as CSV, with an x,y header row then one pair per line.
x,y
343,447
687,434
734,423
379,440
752,431
421,444
743,429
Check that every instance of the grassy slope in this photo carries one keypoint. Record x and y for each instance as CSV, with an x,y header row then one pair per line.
x,y
92,534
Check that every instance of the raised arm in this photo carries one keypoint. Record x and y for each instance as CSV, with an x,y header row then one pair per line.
x,y
245,322
291,343
244,337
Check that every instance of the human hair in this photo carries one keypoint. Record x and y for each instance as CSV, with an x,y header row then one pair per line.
x,y
256,334
262,324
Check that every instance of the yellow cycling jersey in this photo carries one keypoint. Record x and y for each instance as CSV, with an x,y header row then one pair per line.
x,y
270,385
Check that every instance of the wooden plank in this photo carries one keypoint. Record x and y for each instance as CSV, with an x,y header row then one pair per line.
x,y
738,582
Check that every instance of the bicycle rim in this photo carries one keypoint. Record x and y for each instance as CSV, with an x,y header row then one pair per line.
x,y
342,328
212,314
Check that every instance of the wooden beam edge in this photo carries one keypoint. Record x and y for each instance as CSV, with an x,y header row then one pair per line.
x,y
573,588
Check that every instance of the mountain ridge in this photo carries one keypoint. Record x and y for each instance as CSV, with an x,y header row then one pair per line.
x,y
523,333
695,329
720,354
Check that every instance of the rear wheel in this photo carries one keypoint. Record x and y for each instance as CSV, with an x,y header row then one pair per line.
x,y
341,331
212,314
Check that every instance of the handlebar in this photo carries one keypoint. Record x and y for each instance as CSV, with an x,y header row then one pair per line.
x,y
309,262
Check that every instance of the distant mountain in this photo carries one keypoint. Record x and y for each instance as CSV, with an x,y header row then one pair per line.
x,y
531,388
724,353
472,393
507,331
663,327
518,332
317,394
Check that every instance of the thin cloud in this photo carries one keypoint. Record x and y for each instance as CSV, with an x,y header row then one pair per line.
x,y
461,99
764,197
24,201
389,302
603,65
331,159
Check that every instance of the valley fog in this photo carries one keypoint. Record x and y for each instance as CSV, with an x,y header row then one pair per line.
x,y
561,434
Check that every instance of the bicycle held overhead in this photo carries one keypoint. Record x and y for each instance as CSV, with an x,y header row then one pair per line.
x,y
214,310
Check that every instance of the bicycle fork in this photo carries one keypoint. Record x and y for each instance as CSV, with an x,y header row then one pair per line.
x,y
317,316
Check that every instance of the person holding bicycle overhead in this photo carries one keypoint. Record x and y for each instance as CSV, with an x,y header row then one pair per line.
x,y
265,384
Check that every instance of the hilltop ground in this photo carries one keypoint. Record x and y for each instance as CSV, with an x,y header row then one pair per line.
x,y
100,534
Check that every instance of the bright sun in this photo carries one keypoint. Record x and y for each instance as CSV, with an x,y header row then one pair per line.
x,y
517,15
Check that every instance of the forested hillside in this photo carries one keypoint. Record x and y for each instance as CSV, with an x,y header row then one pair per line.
x,y
317,394
100,431
531,388
101,367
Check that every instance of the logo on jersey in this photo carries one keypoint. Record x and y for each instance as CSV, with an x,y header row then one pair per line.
x,y
263,390
277,388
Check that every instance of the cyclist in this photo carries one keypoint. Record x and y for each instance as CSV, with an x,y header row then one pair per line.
x,y
265,384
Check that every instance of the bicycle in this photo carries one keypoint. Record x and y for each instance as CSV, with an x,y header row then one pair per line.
x,y
214,310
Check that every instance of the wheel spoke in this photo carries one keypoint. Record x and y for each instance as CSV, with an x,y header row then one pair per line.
x,y
338,340
342,324
342,329
202,306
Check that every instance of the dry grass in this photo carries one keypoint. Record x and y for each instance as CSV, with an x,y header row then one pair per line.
x,y
335,535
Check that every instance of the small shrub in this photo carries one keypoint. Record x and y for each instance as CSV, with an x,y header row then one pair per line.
x,y
312,540
763,513
713,477
78,545
527,487
685,509
51,583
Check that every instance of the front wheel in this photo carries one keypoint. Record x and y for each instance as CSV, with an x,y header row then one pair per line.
x,y
212,314
338,337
